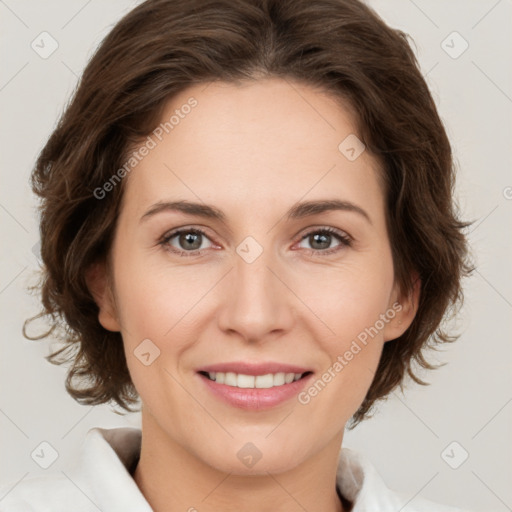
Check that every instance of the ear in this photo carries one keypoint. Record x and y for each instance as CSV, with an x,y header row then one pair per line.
x,y
405,307
96,277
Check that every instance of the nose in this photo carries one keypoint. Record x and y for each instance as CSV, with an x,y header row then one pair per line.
x,y
256,303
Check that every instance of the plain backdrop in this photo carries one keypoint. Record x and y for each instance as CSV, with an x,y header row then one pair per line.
x,y
417,440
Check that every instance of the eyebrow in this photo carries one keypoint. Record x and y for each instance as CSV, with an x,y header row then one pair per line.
x,y
297,211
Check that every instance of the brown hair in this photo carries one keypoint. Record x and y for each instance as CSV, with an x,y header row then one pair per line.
x,y
163,46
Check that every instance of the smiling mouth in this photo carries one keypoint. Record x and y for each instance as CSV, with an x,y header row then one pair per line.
x,y
240,380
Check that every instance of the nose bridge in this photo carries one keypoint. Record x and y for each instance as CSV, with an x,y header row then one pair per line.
x,y
256,302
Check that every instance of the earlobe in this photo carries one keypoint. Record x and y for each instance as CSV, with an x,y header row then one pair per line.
x,y
405,307
98,283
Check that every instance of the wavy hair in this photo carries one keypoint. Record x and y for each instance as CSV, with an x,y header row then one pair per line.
x,y
162,47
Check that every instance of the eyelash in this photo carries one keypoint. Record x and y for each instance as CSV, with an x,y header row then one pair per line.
x,y
344,239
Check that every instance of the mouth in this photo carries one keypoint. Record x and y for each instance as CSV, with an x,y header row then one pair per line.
x,y
252,386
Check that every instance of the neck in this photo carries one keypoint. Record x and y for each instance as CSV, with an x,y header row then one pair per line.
x,y
173,479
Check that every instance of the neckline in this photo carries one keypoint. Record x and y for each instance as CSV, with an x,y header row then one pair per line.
x,y
133,466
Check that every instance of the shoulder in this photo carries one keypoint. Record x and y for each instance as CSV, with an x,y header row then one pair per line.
x,y
358,480
42,493
98,479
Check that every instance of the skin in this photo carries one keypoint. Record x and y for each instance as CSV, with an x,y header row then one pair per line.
x,y
252,150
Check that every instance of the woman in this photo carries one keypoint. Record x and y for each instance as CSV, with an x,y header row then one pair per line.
x,y
247,221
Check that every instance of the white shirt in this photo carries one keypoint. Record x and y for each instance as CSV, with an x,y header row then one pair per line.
x,y
100,480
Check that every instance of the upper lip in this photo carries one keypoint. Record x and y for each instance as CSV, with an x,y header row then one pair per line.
x,y
255,369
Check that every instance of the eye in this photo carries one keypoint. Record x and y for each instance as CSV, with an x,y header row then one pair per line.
x,y
321,240
188,241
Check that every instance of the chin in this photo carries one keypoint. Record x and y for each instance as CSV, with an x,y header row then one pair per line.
x,y
253,458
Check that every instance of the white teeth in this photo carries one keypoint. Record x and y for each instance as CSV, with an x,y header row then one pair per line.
x,y
230,379
240,380
289,377
264,381
279,379
245,381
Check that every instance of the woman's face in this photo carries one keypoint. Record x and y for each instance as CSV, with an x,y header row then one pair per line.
x,y
253,285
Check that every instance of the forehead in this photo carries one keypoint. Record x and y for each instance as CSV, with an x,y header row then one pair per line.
x,y
251,144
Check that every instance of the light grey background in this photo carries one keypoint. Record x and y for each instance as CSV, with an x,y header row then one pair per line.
x,y
469,400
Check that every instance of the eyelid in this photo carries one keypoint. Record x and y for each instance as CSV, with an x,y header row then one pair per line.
x,y
191,227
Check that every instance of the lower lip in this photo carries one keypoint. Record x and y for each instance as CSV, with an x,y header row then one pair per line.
x,y
256,399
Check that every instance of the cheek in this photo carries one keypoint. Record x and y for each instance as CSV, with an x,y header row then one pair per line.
x,y
159,308
152,307
151,298
351,303
347,299
352,357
